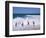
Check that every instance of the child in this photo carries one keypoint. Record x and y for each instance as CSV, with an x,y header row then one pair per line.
x,y
33,23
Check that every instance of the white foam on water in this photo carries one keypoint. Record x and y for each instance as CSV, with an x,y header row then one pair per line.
x,y
20,20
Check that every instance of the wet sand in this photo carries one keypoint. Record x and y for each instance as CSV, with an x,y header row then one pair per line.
x,y
28,27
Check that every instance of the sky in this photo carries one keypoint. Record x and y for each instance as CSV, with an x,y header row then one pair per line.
x,y
26,10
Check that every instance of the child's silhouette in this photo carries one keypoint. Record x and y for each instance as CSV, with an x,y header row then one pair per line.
x,y
22,24
33,23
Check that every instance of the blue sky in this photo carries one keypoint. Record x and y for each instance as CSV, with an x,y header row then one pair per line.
x,y
26,10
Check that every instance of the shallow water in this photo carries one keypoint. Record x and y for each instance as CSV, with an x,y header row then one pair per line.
x,y
29,27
